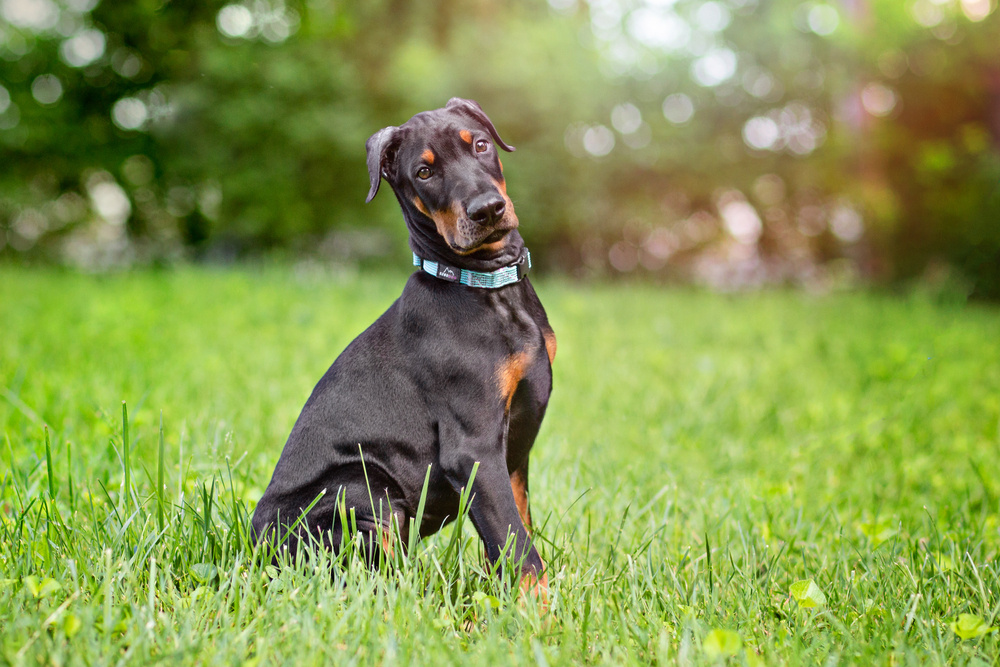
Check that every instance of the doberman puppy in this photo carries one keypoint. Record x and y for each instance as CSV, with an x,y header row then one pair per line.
x,y
457,371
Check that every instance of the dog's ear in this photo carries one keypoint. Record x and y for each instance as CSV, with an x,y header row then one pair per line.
x,y
471,108
381,147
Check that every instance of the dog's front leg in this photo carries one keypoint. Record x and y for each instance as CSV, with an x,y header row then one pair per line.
x,y
493,509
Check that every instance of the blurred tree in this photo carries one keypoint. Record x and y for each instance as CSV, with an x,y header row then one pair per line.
x,y
821,116
938,148
733,142
229,128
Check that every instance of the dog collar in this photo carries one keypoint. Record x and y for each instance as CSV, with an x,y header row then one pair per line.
x,y
490,280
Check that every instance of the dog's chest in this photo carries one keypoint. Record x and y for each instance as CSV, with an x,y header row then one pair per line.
x,y
521,334
522,375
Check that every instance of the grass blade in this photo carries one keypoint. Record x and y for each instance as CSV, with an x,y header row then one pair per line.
x,y
127,491
48,465
159,477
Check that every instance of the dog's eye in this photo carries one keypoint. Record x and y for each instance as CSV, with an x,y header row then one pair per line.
x,y
482,146
423,173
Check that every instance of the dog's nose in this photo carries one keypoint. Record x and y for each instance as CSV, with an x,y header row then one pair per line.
x,y
486,209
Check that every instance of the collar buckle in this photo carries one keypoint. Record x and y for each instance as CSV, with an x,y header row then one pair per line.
x,y
523,264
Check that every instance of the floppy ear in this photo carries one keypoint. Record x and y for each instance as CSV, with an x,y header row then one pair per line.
x,y
378,147
471,108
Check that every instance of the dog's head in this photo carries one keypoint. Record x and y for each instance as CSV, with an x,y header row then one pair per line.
x,y
444,169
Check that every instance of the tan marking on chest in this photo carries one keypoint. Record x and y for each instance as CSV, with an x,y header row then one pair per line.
x,y
510,371
428,156
466,136
550,345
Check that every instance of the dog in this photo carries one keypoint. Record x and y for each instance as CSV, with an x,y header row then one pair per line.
x,y
457,372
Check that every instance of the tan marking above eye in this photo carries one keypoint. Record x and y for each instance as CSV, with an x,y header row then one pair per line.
x,y
466,136
428,156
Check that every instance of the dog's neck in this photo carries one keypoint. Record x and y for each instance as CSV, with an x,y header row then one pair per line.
x,y
427,244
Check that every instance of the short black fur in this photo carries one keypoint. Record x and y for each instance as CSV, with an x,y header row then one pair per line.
x,y
448,376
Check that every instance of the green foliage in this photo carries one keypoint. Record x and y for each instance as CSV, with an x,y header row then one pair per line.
x,y
722,643
970,626
878,531
807,594
701,455
253,143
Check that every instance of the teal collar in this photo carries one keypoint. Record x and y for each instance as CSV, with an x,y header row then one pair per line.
x,y
492,280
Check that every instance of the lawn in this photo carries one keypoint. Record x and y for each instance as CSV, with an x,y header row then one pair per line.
x,y
770,478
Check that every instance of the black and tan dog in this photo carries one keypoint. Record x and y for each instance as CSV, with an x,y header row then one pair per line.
x,y
457,371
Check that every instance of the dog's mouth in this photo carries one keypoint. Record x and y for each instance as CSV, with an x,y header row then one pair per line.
x,y
493,237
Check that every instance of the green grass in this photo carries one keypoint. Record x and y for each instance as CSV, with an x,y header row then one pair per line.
x,y
704,457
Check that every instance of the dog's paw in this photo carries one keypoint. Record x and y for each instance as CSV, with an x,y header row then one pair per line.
x,y
537,587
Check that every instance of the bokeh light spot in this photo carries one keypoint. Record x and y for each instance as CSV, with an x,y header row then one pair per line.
x,y
641,138
823,19
234,21
977,10
792,127
82,48
801,132
129,113
660,245
563,6
678,108
27,227
270,20
760,133
10,117
109,199
878,100
598,140
37,15
46,89
712,17
623,257
926,13
81,6
846,224
626,118
126,63
761,84
716,66
739,217
658,28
